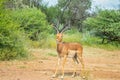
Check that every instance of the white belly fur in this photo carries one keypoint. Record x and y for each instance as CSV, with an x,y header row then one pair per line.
x,y
71,53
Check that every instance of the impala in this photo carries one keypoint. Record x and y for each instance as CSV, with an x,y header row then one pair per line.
x,y
64,50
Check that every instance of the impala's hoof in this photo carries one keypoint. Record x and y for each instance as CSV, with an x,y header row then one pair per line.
x,y
74,74
53,76
83,77
61,77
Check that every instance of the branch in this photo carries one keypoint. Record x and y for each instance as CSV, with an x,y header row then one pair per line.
x,y
65,7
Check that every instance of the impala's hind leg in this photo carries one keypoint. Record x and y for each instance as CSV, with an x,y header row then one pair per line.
x,y
82,62
75,66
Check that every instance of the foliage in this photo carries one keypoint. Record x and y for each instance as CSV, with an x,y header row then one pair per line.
x,y
15,28
73,35
106,25
20,4
12,39
52,13
33,21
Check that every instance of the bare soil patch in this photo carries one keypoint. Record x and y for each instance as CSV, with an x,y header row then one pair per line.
x,y
100,64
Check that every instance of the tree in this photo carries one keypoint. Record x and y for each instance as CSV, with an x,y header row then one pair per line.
x,y
106,25
18,4
52,13
74,11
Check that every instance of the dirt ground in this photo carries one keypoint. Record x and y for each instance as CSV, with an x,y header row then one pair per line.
x,y
100,64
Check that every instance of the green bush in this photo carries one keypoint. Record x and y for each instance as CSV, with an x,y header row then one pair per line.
x,y
17,27
12,38
33,21
106,25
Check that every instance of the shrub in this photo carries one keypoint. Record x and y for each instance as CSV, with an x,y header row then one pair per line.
x,y
12,38
33,21
106,25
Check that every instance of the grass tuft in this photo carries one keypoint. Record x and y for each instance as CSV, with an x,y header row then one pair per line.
x,y
85,39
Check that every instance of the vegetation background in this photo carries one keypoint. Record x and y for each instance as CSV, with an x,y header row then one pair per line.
x,y
26,24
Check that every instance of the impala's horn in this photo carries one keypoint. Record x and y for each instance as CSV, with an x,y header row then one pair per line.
x,y
56,26
65,27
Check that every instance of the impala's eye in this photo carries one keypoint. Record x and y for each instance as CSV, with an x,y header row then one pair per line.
x,y
57,36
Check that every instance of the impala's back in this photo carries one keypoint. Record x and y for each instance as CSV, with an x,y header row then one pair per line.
x,y
69,48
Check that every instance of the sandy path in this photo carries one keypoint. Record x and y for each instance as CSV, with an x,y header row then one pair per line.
x,y
99,65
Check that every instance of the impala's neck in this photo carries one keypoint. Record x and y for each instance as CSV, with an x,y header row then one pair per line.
x,y
59,38
59,42
59,47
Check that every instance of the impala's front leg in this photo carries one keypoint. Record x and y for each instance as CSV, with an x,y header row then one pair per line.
x,y
56,70
63,64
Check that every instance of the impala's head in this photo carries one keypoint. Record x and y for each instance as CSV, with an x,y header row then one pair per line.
x,y
59,37
59,34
